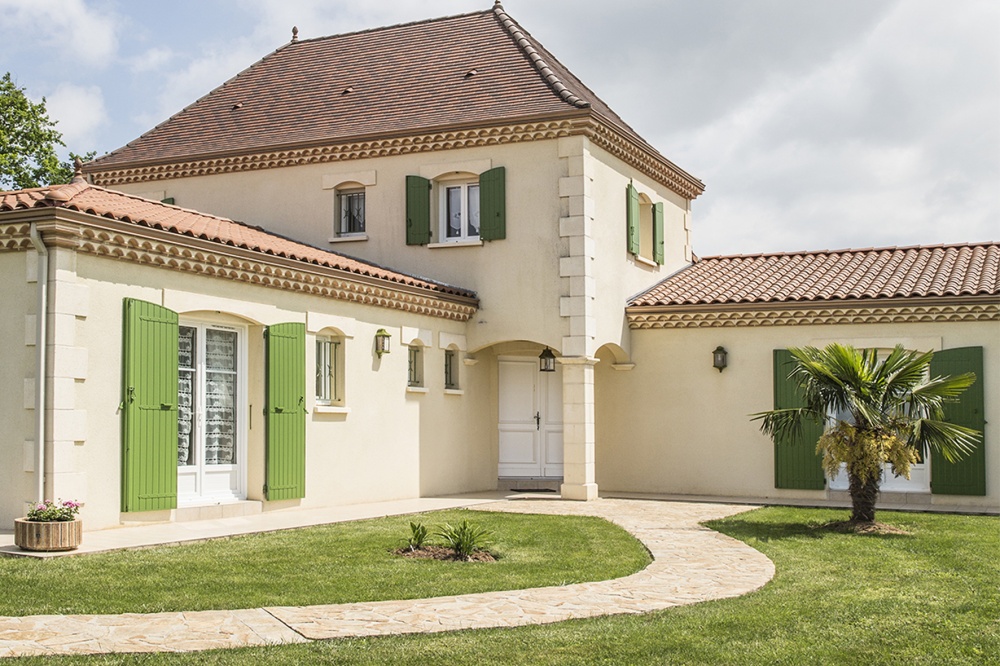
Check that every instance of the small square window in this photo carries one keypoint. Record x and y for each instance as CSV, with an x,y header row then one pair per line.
x,y
350,212
329,370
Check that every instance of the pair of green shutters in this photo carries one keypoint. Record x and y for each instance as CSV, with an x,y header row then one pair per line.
x,y
149,408
797,465
492,207
634,227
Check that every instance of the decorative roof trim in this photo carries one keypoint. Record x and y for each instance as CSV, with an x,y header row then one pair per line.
x,y
98,236
901,311
602,134
526,45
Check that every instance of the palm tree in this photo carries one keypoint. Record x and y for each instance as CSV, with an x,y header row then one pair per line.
x,y
875,412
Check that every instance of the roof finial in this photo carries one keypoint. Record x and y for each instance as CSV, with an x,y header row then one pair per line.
x,y
77,170
295,33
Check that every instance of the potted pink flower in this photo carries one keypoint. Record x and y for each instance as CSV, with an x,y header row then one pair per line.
x,y
50,526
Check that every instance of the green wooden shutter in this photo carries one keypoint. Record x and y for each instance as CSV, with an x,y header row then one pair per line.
x,y
658,233
418,210
796,463
632,218
149,407
968,475
493,204
285,473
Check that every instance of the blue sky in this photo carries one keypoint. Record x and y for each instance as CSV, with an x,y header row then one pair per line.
x,y
814,125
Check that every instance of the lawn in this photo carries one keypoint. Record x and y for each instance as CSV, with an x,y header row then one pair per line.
x,y
320,565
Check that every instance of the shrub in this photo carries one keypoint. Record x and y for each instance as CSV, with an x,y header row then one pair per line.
x,y
418,536
464,539
50,512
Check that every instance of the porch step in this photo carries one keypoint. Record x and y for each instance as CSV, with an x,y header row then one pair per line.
x,y
525,485
214,511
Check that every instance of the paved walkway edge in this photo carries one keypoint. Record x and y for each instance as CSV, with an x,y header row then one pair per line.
x,y
691,564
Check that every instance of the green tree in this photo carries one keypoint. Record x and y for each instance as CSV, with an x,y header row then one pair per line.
x,y
875,412
28,141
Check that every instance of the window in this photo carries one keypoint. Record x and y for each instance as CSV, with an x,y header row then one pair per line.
x,y
450,369
644,222
350,212
329,370
415,367
459,207
469,210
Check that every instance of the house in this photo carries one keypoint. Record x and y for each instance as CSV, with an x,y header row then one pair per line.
x,y
209,304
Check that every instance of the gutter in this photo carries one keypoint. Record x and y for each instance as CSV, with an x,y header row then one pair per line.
x,y
41,344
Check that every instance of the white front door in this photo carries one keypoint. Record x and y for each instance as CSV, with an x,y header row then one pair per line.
x,y
531,431
212,414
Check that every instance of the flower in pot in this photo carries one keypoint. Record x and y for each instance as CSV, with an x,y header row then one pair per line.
x,y
50,526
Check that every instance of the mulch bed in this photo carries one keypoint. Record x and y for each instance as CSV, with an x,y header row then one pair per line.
x,y
443,553
851,527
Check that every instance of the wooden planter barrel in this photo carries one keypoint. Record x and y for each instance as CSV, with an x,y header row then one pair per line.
x,y
51,536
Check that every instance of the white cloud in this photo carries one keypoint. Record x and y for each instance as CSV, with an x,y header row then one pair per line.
x,y
80,113
89,34
151,60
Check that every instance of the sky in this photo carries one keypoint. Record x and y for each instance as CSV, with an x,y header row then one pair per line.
x,y
815,124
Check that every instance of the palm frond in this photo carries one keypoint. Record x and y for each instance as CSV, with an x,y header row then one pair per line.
x,y
785,425
952,441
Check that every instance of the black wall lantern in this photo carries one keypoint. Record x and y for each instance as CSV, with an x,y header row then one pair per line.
x,y
719,358
547,361
382,342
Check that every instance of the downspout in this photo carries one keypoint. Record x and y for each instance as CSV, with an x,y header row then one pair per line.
x,y
40,349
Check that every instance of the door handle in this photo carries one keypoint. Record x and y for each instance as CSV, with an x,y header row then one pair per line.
x,y
538,420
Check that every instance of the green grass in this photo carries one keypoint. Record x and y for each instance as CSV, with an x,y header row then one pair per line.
x,y
930,597
320,565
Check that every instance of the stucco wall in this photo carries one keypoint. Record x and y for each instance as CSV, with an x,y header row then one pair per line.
x,y
516,278
674,424
371,453
17,362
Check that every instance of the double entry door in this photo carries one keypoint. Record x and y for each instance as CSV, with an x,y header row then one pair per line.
x,y
211,428
530,420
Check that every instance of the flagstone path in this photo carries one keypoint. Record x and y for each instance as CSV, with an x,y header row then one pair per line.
x,y
691,564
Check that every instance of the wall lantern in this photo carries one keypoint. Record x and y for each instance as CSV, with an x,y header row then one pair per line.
x,y
382,342
719,358
547,361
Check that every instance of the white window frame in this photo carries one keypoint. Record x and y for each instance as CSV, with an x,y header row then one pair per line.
x,y
329,370
464,187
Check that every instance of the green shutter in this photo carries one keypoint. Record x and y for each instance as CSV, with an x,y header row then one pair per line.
x,y
285,473
418,210
796,463
493,204
658,233
632,218
968,475
149,407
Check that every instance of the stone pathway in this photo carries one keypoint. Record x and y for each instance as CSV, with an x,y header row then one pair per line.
x,y
691,564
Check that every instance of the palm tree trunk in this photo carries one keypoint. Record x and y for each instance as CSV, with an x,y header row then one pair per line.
x,y
863,497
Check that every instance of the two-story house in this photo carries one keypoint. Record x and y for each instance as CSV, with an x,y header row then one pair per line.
x,y
425,293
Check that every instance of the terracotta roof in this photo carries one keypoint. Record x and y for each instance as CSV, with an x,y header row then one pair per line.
x,y
472,69
971,269
94,200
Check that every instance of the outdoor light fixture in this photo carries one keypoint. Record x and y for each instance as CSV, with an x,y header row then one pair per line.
x,y
382,342
719,358
547,361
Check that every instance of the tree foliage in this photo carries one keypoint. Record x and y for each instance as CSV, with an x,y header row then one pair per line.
x,y
28,140
876,412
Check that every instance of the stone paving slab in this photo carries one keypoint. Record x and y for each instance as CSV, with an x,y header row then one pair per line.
x,y
691,564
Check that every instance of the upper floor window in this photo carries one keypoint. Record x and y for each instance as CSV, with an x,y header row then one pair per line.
x,y
459,207
350,212
644,222
451,369
453,209
329,370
